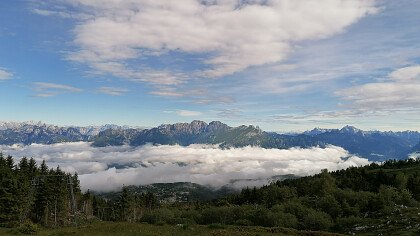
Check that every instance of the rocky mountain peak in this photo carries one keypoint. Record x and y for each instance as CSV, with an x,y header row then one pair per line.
x,y
316,131
198,124
217,126
350,129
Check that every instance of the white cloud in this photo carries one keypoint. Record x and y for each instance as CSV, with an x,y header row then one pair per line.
x,y
406,73
5,75
184,112
51,89
188,113
113,91
108,168
60,13
229,35
400,91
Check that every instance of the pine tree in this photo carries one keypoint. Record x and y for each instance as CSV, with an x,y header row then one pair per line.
x,y
9,208
10,163
125,204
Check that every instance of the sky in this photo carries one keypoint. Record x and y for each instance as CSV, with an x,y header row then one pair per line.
x,y
286,65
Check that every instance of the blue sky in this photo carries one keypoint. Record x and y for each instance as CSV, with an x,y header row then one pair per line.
x,y
281,65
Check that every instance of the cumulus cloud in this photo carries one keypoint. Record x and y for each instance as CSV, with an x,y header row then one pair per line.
x,y
401,90
228,36
5,75
51,89
108,168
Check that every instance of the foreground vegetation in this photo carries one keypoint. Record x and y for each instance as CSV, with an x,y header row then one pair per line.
x,y
374,198
367,200
128,229
38,194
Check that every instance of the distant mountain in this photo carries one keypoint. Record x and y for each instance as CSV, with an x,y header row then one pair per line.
x,y
416,148
316,131
199,132
38,132
374,145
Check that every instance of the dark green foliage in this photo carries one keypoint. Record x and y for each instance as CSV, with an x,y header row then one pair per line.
x,y
31,194
337,201
160,216
9,204
27,228
316,220
330,201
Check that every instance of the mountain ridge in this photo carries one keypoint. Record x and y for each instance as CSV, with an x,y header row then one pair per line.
x,y
375,145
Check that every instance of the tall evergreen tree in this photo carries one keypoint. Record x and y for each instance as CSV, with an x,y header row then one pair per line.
x,y
9,208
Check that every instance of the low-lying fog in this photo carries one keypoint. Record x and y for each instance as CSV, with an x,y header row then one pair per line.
x,y
108,168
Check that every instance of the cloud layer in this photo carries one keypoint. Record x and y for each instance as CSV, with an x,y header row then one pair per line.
x,y
224,37
108,168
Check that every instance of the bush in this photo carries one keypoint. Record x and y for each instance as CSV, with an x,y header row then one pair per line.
x,y
317,220
190,216
27,228
346,223
286,220
243,222
296,208
222,215
216,226
159,216
330,205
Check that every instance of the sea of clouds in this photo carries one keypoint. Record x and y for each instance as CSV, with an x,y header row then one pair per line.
x,y
109,168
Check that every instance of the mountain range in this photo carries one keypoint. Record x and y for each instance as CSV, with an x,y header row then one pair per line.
x,y
374,145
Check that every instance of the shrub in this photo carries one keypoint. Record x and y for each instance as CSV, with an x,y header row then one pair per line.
x,y
27,228
159,216
317,220
216,226
346,223
243,222
286,220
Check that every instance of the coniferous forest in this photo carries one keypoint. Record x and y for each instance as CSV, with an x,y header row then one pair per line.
x,y
44,196
359,199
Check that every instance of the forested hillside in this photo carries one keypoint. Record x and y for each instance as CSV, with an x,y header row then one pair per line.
x,y
375,198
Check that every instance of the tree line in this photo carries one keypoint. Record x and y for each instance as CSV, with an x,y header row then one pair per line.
x,y
332,201
45,196
52,198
